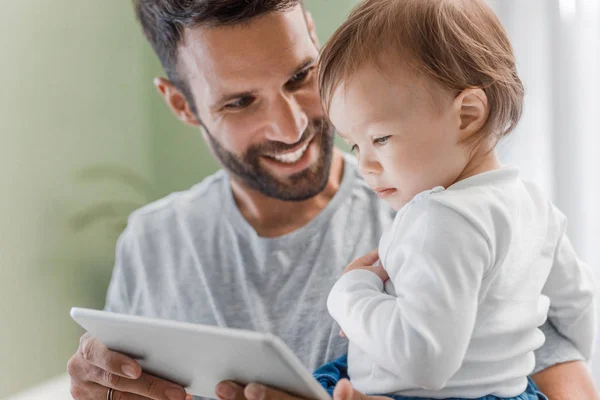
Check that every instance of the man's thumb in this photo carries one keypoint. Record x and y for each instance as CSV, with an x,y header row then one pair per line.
x,y
344,391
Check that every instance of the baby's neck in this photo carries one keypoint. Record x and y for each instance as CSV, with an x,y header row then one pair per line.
x,y
483,160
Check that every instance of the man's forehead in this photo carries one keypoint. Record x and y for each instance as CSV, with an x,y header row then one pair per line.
x,y
270,44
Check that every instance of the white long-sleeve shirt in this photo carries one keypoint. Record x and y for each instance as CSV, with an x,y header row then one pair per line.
x,y
476,269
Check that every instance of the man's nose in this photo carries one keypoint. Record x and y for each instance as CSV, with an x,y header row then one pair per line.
x,y
289,121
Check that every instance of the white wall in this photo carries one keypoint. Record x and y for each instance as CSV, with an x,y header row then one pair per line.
x,y
557,143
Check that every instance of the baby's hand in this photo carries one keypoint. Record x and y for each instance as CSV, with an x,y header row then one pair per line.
x,y
367,262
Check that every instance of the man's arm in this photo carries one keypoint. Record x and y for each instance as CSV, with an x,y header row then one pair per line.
x,y
567,381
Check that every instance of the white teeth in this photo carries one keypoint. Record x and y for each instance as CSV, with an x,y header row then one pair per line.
x,y
291,158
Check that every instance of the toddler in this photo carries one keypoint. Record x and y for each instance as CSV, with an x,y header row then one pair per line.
x,y
477,259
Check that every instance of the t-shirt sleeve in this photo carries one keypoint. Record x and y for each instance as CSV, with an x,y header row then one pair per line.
x,y
557,349
436,260
120,294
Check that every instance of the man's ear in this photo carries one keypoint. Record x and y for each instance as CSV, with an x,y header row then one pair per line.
x,y
472,110
312,30
176,101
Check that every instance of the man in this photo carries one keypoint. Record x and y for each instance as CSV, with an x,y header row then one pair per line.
x,y
259,244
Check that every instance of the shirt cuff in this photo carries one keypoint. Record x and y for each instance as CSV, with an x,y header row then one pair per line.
x,y
358,275
358,278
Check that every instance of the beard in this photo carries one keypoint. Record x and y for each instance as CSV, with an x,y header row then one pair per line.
x,y
297,187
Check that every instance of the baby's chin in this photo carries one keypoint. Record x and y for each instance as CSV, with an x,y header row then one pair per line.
x,y
396,199
396,202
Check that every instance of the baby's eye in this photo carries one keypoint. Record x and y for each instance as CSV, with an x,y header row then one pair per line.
x,y
380,141
354,148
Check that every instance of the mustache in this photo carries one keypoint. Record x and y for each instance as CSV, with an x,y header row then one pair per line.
x,y
317,127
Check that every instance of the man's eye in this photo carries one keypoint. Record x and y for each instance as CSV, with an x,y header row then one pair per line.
x,y
380,141
300,77
240,103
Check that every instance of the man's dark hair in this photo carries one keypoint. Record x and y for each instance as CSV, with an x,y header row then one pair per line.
x,y
163,23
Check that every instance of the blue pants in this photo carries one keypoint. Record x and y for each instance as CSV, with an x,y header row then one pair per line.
x,y
329,374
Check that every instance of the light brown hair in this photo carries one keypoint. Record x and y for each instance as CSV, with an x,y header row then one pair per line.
x,y
459,43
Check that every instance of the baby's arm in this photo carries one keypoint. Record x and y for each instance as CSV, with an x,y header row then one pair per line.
x,y
571,289
436,262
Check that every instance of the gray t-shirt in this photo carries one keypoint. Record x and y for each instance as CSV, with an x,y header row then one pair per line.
x,y
193,257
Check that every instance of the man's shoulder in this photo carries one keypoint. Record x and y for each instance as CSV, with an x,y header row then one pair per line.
x,y
203,201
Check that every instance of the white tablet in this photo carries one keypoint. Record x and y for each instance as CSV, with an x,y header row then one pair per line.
x,y
198,356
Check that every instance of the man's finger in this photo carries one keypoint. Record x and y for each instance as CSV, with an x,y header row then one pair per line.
x,y
121,395
255,391
146,385
100,356
344,391
229,390
90,390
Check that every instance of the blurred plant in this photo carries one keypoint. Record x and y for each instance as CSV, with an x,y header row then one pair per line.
x,y
113,212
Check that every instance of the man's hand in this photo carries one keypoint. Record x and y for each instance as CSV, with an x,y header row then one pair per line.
x,y
94,369
367,262
345,391
232,391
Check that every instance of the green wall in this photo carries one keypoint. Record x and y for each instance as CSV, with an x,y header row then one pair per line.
x,y
76,79
71,82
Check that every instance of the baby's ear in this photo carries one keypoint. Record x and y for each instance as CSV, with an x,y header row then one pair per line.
x,y
473,110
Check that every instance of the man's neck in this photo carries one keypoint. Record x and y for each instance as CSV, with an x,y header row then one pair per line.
x,y
272,217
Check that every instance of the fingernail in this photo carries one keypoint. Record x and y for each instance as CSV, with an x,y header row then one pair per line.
x,y
130,371
255,392
189,397
225,391
175,394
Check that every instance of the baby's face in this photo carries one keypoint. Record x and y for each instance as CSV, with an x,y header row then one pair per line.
x,y
403,129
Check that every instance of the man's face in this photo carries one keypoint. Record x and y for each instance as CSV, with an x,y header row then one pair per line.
x,y
256,94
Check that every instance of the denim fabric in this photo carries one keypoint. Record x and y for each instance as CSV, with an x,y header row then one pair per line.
x,y
329,374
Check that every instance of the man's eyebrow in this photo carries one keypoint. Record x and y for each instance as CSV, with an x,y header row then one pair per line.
x,y
305,63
